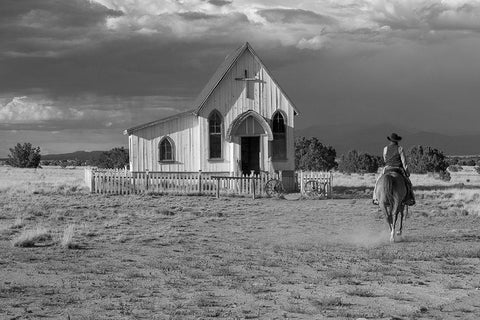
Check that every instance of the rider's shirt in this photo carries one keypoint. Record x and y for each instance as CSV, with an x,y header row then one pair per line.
x,y
392,156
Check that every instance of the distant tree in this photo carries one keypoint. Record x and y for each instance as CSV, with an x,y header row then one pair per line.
x,y
423,159
470,162
453,161
115,158
312,155
63,163
355,162
24,156
454,168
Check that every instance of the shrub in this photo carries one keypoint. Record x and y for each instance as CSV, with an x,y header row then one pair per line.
x,y
24,156
113,159
477,169
311,154
354,162
445,175
67,239
63,164
454,168
470,163
28,238
453,161
426,159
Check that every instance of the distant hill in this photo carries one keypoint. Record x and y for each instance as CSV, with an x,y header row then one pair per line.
x,y
371,139
80,155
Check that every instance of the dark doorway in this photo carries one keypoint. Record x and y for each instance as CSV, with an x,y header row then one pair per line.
x,y
250,154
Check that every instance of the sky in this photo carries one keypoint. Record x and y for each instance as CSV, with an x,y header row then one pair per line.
x,y
74,74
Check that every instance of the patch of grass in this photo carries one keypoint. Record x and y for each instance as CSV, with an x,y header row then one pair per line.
x,y
454,285
30,237
224,271
456,253
165,212
18,223
359,292
257,288
67,238
207,301
340,274
384,255
326,302
298,308
399,297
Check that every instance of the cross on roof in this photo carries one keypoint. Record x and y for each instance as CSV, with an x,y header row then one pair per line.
x,y
246,78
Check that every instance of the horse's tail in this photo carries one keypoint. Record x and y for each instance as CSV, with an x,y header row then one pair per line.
x,y
388,189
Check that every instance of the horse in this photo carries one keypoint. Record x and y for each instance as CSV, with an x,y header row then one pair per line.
x,y
391,191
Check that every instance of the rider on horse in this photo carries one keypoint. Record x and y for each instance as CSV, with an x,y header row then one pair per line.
x,y
395,161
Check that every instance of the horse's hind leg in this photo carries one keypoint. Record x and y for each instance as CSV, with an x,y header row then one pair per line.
x,y
395,208
388,216
402,208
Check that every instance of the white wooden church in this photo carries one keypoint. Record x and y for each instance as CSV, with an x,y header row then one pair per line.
x,y
242,121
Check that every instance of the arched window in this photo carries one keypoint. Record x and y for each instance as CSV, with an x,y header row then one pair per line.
x,y
215,135
166,149
279,143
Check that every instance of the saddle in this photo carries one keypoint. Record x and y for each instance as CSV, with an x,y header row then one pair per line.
x,y
398,170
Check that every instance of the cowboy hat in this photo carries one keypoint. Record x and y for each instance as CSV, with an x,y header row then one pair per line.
x,y
394,137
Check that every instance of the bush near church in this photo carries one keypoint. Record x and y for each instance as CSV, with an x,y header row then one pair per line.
x,y
24,156
355,162
116,158
424,159
312,155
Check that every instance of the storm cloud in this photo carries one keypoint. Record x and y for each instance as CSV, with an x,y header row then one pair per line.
x,y
106,65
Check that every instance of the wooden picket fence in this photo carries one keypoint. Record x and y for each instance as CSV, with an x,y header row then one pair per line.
x,y
126,182
324,179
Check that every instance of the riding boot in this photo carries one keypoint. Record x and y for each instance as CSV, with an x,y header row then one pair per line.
x,y
410,198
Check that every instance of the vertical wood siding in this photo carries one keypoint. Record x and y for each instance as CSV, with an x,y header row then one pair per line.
x,y
183,132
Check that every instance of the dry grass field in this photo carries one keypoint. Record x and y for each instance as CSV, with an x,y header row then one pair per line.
x,y
68,254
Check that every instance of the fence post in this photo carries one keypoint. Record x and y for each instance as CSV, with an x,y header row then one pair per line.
x,y
331,185
253,186
301,182
133,182
146,180
199,181
218,187
92,180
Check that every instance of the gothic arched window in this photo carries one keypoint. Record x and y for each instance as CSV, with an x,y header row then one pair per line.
x,y
165,149
215,135
279,143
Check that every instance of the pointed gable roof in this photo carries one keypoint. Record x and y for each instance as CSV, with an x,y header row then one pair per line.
x,y
223,70
212,84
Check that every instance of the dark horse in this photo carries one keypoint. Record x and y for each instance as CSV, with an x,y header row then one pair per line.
x,y
391,191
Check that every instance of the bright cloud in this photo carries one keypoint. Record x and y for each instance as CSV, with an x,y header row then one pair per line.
x,y
24,110
314,43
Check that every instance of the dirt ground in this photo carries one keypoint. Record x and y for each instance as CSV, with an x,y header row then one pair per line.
x,y
165,257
